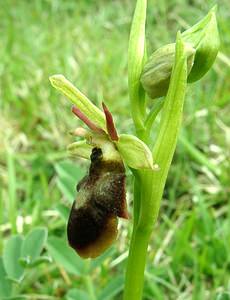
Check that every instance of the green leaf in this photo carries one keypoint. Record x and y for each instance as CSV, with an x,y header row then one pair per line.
x,y
5,284
67,168
25,262
65,256
108,254
11,255
63,211
40,260
67,186
68,176
79,99
172,111
112,289
76,294
33,244
134,152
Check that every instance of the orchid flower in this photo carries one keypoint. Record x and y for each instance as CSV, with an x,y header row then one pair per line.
x,y
101,199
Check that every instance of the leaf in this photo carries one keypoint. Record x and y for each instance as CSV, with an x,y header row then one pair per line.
x,y
79,99
11,255
165,144
67,168
40,260
25,262
97,262
65,256
5,284
67,187
33,244
77,294
63,211
114,287
135,153
68,176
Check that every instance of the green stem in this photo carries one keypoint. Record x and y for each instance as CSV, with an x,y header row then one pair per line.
x,y
136,196
152,183
89,287
136,265
140,239
88,281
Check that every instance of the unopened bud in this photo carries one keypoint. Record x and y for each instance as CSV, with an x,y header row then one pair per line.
x,y
157,71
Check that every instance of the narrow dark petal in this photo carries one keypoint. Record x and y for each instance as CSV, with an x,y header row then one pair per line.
x,y
109,123
87,121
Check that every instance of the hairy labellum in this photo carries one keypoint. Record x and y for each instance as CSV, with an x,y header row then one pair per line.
x,y
92,225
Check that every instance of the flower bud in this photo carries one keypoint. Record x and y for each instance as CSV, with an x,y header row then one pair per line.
x,y
204,37
157,71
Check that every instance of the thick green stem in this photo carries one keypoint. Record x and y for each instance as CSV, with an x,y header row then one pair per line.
x,y
136,265
140,238
137,197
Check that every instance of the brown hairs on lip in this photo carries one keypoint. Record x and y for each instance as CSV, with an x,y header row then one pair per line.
x,y
92,225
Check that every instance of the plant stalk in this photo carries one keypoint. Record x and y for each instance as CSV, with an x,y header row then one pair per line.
x,y
89,287
151,182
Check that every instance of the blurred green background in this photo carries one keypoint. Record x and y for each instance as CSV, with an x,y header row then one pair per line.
x,y
189,254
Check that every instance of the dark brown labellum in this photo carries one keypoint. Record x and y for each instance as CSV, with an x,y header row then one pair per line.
x,y
92,225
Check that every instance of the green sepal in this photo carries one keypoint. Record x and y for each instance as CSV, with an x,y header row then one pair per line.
x,y
93,113
134,152
80,149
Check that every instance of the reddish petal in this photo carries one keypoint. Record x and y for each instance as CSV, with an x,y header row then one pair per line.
x,y
87,121
109,123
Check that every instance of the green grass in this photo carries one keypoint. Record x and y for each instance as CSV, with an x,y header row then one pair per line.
x,y
87,41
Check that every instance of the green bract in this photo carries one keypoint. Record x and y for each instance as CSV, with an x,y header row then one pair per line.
x,y
204,37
